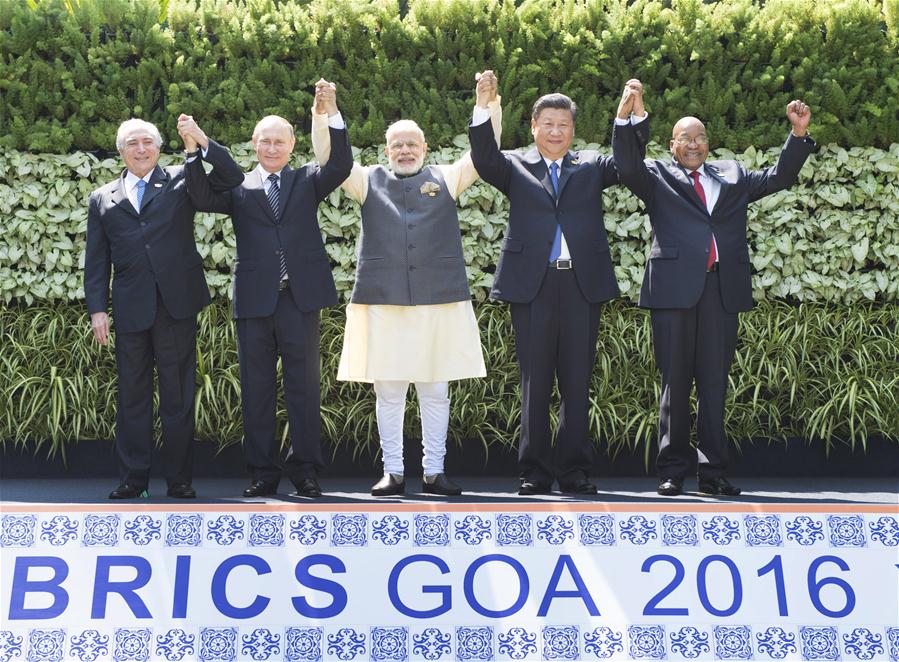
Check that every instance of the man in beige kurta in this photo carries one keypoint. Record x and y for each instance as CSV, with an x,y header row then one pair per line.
x,y
410,318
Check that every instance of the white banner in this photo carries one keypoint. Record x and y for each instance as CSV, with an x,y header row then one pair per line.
x,y
458,581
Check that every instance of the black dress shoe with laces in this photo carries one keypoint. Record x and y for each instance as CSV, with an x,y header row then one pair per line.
x,y
719,486
440,485
307,487
578,486
670,487
128,491
260,488
181,491
531,487
389,485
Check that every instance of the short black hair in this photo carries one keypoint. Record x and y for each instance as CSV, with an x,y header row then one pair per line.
x,y
554,100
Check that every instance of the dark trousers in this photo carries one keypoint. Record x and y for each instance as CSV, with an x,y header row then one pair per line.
x,y
694,344
294,335
172,345
555,338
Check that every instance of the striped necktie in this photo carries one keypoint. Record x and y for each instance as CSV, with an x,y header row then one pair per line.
x,y
274,199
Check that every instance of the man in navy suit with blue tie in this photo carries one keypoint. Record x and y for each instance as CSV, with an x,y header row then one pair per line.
x,y
698,278
555,271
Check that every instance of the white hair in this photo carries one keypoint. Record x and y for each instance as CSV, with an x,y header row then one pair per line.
x,y
275,120
133,124
404,125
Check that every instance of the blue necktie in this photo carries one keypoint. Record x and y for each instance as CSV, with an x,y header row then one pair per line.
x,y
141,187
557,240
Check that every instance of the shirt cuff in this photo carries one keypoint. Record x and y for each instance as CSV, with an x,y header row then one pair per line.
x,y
335,121
633,119
480,115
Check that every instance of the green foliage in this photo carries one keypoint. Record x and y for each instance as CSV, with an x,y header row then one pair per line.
x,y
810,371
72,71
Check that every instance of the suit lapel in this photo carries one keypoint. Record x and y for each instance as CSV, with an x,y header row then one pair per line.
x,y
686,186
120,197
256,190
569,165
158,180
537,166
723,185
288,174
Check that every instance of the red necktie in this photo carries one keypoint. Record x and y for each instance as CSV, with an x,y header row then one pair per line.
x,y
713,253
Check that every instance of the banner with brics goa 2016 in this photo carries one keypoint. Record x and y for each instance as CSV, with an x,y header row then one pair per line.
x,y
460,581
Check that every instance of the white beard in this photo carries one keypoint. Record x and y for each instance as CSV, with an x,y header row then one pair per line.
x,y
402,169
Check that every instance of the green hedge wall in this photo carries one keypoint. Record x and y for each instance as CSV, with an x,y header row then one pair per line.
x,y
72,70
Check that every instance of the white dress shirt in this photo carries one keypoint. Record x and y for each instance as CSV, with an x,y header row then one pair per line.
x,y
131,181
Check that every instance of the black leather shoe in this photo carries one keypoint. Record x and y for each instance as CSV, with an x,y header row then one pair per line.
x,y
531,487
307,487
181,491
719,486
128,491
670,487
579,486
260,488
441,485
389,485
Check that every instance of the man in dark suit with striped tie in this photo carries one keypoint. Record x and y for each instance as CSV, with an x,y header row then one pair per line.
x,y
282,279
140,230
698,278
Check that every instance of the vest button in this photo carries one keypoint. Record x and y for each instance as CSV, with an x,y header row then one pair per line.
x,y
411,245
411,267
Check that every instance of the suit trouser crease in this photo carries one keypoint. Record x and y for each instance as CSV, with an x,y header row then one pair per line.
x,y
555,337
171,344
434,407
295,336
694,344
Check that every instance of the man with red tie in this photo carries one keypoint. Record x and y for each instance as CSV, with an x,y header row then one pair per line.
x,y
698,277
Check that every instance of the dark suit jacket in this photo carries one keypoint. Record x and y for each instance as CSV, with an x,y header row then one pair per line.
x,y
260,234
150,250
682,227
534,213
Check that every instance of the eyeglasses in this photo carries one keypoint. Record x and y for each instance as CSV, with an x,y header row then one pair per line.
x,y
399,144
701,139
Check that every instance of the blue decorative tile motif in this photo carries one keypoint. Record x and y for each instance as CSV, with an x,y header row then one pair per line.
x,y
10,645
308,529
346,644
647,642
885,531
175,645
893,638
638,530
225,529
689,641
863,644
390,644
517,643
561,642
819,643
474,643
514,529
218,644
59,530
389,530
349,530
266,530
804,530
261,644
733,642
46,645
846,530
763,530
101,530
603,642
432,644
142,529
89,645
17,530
679,530
555,529
596,529
432,530
132,645
184,530
473,530
776,643
303,644
721,530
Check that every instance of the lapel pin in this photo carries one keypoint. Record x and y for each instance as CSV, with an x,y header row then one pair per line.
x,y
157,185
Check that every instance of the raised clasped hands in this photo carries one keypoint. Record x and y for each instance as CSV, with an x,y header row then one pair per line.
x,y
485,88
631,100
799,115
191,133
325,98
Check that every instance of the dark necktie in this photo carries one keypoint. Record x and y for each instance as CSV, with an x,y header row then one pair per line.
x,y
141,188
274,195
556,250
713,253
